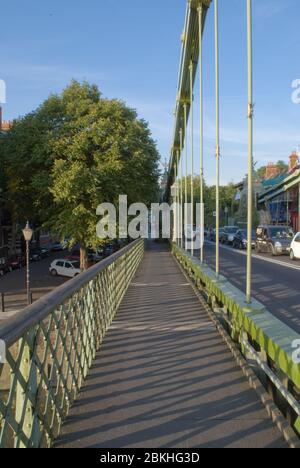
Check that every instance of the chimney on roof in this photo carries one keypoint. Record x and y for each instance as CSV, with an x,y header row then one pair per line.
x,y
272,170
5,125
294,161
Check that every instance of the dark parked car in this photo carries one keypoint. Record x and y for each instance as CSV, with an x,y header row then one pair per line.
x,y
240,240
98,255
74,255
11,263
4,268
228,234
44,253
274,239
16,262
35,255
212,235
108,250
57,247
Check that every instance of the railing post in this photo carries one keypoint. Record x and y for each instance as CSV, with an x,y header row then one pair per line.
x,y
2,302
27,391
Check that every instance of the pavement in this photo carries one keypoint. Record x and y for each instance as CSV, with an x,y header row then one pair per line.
x,y
275,280
164,378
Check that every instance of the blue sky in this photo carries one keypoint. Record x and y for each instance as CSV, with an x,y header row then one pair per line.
x,y
131,50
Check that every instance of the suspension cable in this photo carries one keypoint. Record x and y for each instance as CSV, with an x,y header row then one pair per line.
x,y
186,172
177,199
192,154
200,13
181,185
250,149
217,137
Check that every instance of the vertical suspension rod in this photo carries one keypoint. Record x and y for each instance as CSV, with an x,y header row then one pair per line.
x,y
250,150
186,174
200,15
217,137
192,154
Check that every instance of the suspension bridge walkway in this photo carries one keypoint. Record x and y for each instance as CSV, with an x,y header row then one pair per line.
x,y
164,377
155,349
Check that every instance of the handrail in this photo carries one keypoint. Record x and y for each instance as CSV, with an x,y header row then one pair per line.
x,y
15,327
50,347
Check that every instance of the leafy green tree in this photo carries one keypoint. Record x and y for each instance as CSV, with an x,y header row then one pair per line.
x,y
27,160
103,151
74,152
227,199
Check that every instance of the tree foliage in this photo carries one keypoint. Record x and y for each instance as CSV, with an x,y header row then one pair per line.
x,y
74,152
227,200
27,159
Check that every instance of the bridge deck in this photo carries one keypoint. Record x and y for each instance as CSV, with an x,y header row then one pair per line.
x,y
164,377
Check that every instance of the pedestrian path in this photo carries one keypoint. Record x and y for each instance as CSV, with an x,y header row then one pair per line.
x,y
164,377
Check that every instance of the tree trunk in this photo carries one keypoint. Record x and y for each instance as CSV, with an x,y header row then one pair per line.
x,y
83,259
13,245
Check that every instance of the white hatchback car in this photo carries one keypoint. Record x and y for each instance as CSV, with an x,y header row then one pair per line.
x,y
295,247
65,268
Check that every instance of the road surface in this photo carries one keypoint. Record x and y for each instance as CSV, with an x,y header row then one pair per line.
x,y
13,285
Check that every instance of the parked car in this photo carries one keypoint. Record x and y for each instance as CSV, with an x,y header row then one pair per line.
x,y
240,240
4,268
108,250
74,255
16,262
212,235
274,239
45,253
65,268
228,234
57,247
98,255
38,253
35,255
295,247
188,232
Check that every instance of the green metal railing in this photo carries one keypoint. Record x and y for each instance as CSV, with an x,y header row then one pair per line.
x,y
50,347
261,337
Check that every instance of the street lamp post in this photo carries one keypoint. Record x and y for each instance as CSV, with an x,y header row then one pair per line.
x,y
28,233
